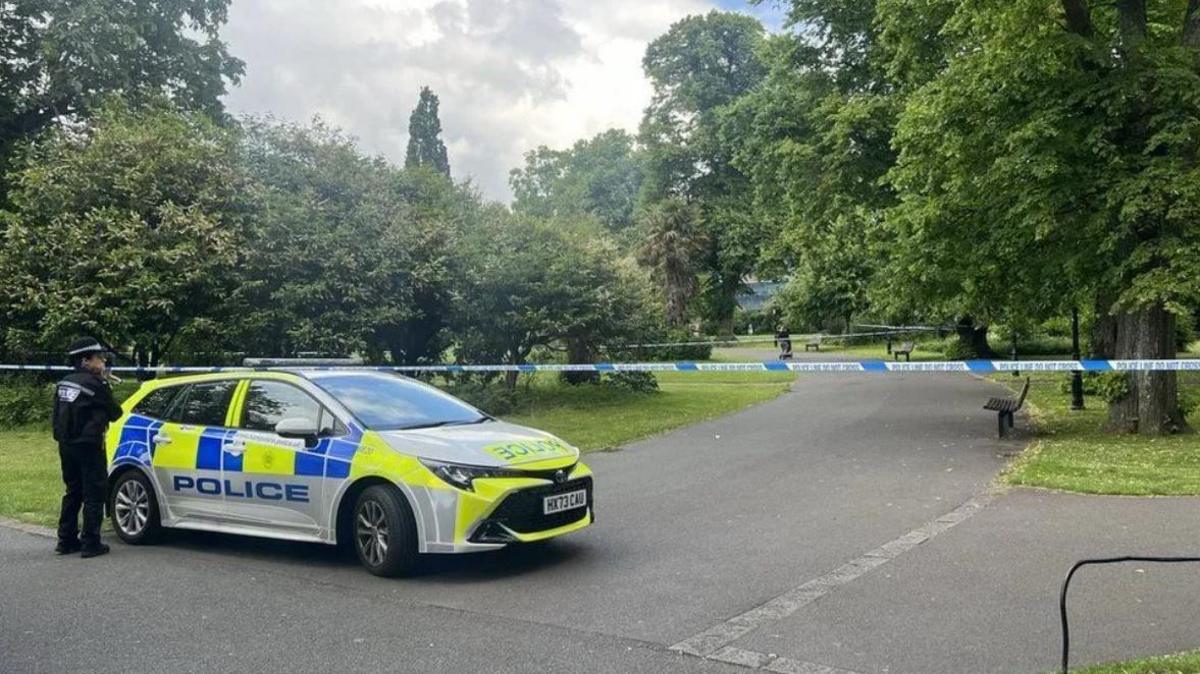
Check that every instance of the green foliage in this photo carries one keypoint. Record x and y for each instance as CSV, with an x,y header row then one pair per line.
x,y
680,349
1067,163
754,322
24,403
350,255
1111,386
953,348
488,396
532,284
29,401
673,247
698,69
425,146
60,58
128,229
1107,386
600,177
815,146
637,382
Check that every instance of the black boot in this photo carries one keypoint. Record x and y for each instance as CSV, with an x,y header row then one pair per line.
x,y
68,547
95,551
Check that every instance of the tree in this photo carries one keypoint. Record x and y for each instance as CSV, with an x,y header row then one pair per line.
x,y
828,289
698,69
532,284
815,140
599,176
425,146
60,58
128,229
1060,141
674,245
350,255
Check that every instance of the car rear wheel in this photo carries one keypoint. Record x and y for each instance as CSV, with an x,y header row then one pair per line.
x,y
134,509
385,534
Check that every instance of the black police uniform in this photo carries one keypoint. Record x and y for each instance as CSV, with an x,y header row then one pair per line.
x,y
83,408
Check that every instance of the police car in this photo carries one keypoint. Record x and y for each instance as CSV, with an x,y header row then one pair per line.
x,y
384,463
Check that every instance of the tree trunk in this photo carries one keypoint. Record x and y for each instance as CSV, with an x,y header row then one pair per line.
x,y
1151,405
974,339
676,290
580,352
1104,330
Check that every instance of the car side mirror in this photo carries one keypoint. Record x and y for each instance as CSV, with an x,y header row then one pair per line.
x,y
298,429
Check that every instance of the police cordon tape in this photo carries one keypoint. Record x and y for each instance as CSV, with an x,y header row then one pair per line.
x,y
973,366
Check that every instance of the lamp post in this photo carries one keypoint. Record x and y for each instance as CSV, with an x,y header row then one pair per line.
x,y
1076,375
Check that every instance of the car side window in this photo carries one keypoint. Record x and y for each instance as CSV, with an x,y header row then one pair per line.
x,y
331,426
269,402
204,404
157,403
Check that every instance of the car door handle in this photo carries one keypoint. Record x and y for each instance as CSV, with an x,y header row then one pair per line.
x,y
235,447
162,439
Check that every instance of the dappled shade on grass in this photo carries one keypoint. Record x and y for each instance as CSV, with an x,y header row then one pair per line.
x,y
1074,451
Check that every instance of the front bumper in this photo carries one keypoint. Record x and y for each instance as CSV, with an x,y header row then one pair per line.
x,y
519,517
498,511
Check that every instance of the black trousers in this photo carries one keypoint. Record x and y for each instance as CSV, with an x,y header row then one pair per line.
x,y
83,473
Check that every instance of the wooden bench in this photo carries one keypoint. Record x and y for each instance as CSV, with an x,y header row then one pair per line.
x,y
813,343
905,350
1005,408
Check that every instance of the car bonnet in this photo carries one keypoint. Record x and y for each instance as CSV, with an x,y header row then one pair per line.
x,y
492,444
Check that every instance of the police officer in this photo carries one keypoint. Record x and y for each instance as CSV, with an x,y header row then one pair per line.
x,y
83,408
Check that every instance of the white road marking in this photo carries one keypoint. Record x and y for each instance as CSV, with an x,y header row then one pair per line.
x,y
714,642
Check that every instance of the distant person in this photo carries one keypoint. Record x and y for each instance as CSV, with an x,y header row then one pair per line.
x,y
784,339
83,408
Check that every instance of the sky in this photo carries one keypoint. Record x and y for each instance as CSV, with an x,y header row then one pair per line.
x,y
510,74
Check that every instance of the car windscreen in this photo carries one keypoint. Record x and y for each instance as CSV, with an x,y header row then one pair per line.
x,y
387,403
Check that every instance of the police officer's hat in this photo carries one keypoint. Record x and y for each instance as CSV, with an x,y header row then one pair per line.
x,y
84,348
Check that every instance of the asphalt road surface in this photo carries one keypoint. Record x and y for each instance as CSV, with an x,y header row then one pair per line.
x,y
848,526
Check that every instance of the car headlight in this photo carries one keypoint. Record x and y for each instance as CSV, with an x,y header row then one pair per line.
x,y
461,476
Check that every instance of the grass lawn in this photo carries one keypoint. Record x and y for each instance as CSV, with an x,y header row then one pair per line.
x,y
1073,452
1181,663
873,351
590,417
877,351
597,417
30,481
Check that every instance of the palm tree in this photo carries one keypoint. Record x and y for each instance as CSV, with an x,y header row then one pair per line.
x,y
672,246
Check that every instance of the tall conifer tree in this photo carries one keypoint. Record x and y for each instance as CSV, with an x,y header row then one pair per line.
x,y
425,146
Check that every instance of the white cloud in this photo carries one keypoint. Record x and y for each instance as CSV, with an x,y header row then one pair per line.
x,y
511,74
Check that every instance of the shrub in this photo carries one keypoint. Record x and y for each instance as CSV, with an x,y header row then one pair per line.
x,y
954,349
679,352
492,397
640,382
24,402
29,400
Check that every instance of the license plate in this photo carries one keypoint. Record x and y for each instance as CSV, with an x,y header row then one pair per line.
x,y
561,502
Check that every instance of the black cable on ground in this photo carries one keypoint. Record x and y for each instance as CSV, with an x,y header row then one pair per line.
x,y
1062,599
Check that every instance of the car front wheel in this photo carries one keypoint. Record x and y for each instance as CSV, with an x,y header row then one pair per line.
x,y
385,534
134,509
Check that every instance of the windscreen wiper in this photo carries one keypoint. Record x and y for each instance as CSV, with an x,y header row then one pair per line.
x,y
438,424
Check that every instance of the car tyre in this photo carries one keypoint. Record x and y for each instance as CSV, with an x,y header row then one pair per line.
x,y
133,509
384,531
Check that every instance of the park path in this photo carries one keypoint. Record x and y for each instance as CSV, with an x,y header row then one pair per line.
x,y
709,542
